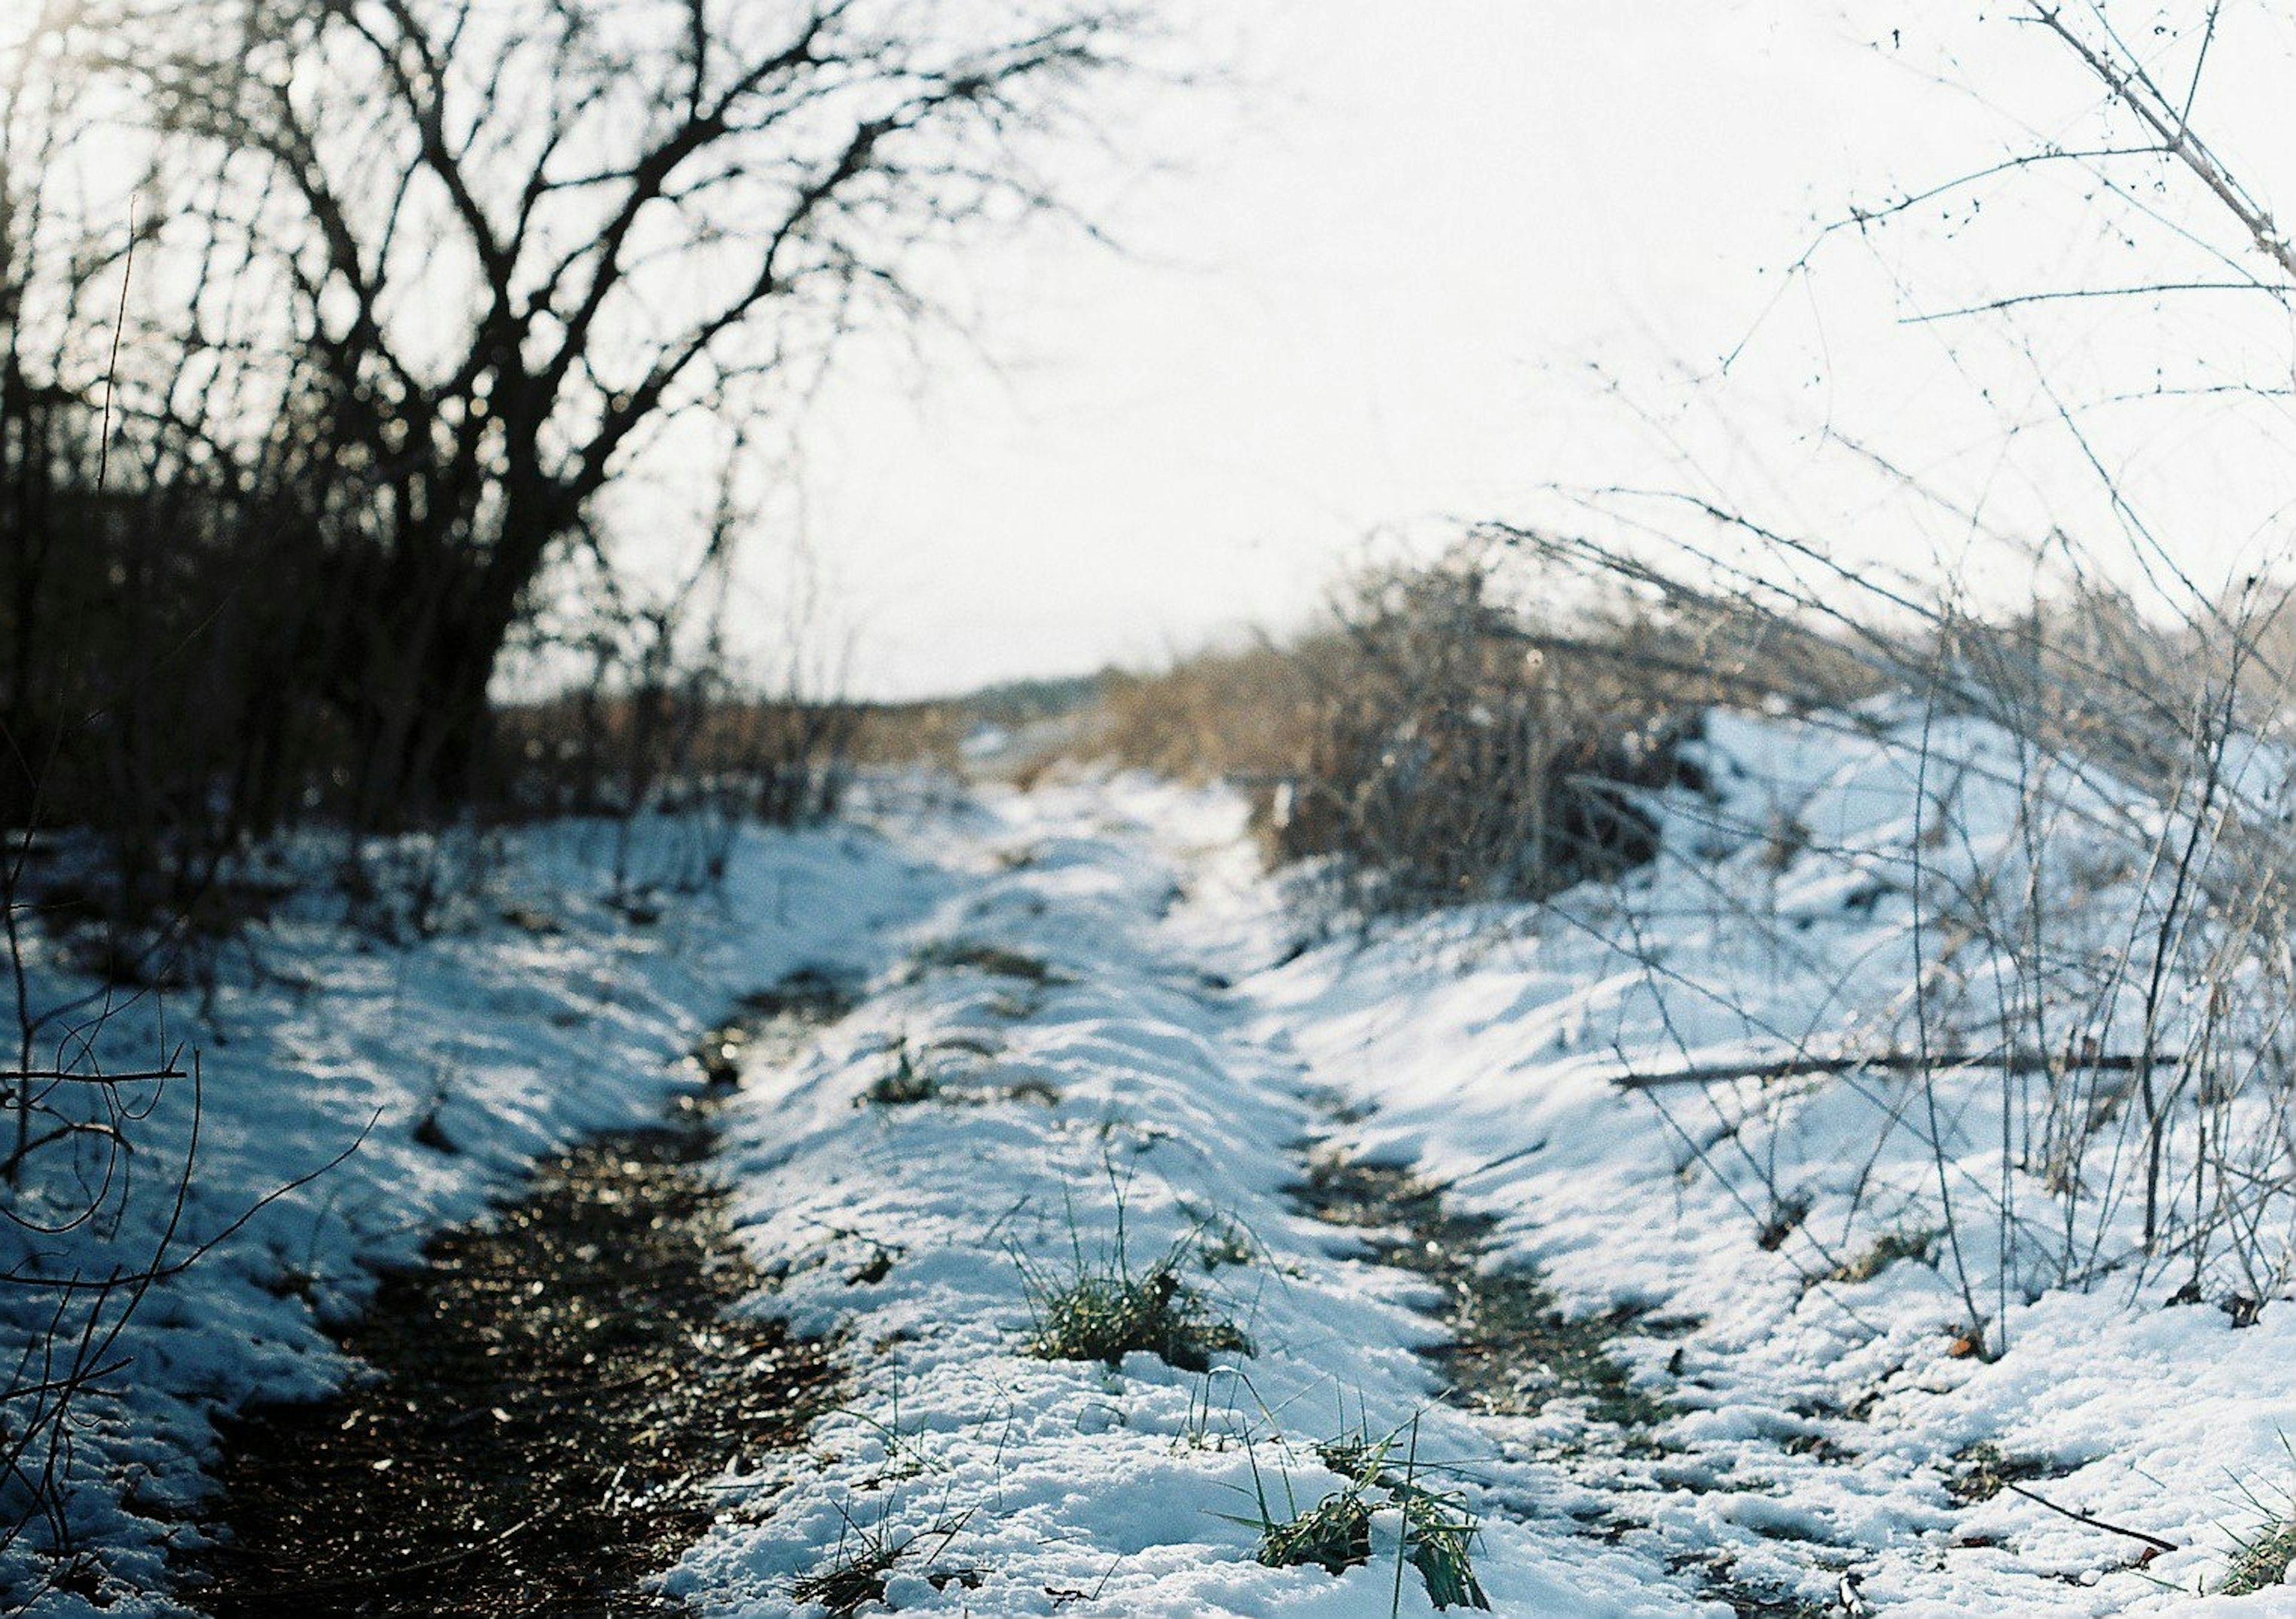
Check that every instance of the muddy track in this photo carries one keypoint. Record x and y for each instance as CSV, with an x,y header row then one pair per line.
x,y
1509,1350
549,1395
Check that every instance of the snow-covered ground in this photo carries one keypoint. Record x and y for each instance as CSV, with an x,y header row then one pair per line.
x,y
1094,1046
536,1016
1817,1427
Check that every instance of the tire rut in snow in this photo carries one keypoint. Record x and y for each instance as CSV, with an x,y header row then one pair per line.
x,y
553,1392
1509,1349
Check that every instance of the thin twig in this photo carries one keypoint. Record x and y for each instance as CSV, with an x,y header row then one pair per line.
x,y
2153,1540
1895,1062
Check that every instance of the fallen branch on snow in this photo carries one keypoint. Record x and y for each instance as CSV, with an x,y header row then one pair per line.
x,y
1899,1062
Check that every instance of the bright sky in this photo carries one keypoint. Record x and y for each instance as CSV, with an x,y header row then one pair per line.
x,y
1371,294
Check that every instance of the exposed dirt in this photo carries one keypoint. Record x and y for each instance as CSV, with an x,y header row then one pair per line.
x,y
1507,1347
551,1394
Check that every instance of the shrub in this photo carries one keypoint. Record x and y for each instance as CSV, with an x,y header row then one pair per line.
x,y
1434,740
1455,759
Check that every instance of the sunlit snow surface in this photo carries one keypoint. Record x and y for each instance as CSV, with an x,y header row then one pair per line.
x,y
1170,1065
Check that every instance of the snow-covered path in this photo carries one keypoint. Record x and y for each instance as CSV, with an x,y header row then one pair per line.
x,y
1065,1081
1106,1054
1093,1050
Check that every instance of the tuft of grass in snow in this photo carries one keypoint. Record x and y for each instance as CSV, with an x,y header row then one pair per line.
x,y
1334,1534
904,1086
1439,1530
1224,1241
1918,1244
1984,1469
994,959
854,1577
1439,1535
1102,1312
2263,1556
1785,1217
1103,1309
2263,1560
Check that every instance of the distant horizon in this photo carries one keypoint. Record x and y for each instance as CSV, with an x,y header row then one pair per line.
x,y
1472,265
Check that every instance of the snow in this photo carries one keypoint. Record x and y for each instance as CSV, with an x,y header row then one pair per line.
x,y
518,1041
1126,1052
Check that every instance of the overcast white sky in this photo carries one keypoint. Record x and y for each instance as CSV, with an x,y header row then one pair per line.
x,y
1371,294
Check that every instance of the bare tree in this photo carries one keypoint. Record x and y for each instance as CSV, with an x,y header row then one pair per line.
x,y
504,243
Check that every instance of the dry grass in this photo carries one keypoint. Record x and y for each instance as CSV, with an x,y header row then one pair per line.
x,y
1438,741
2127,876
1246,715
912,733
